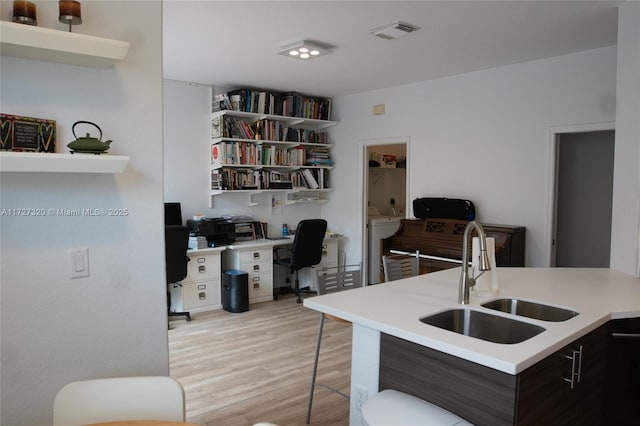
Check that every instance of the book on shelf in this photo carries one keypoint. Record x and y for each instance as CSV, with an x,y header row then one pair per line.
x,y
261,101
312,183
216,180
221,102
281,185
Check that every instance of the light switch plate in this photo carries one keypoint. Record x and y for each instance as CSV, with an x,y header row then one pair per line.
x,y
79,262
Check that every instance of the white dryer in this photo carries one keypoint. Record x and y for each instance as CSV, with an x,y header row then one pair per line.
x,y
379,227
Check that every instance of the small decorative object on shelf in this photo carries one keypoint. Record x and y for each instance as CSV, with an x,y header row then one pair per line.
x,y
24,12
19,133
87,144
70,12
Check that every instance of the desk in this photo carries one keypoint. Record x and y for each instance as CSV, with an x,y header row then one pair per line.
x,y
201,288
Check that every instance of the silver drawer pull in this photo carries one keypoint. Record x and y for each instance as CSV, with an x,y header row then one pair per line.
x,y
202,295
202,286
576,366
202,269
625,335
256,255
580,363
256,286
201,259
256,268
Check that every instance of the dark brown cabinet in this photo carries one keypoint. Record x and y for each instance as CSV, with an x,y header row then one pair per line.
x,y
567,387
622,389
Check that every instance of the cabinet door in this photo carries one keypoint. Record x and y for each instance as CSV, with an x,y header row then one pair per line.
x,y
545,391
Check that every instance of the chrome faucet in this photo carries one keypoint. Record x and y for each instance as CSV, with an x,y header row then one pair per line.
x,y
467,281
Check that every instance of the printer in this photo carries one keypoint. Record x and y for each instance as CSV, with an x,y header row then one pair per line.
x,y
217,231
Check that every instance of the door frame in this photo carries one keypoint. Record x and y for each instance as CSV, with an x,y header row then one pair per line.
x,y
554,137
365,144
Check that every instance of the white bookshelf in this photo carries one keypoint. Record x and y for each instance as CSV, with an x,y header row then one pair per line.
x,y
295,195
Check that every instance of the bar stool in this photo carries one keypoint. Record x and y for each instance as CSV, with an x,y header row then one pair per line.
x,y
393,408
400,266
331,280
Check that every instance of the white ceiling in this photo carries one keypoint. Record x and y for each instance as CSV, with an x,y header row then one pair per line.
x,y
234,43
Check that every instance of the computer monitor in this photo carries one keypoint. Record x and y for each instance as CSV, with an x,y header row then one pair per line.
x,y
172,214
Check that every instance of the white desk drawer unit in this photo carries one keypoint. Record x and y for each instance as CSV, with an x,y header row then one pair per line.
x,y
257,262
200,290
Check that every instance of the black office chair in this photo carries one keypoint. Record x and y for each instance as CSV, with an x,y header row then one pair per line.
x,y
176,239
306,250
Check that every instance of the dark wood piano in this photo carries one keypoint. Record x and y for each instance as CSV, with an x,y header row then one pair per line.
x,y
440,242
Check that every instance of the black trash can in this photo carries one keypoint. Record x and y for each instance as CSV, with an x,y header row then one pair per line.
x,y
235,291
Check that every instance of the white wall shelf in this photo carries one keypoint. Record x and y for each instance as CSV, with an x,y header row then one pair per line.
x,y
45,44
61,163
291,196
290,121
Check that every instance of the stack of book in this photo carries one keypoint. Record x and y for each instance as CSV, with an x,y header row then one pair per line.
x,y
261,101
235,179
318,157
236,153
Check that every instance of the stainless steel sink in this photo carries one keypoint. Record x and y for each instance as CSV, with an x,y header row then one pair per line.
x,y
481,325
530,309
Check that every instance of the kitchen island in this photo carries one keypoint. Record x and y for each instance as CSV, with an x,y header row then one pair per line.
x,y
394,309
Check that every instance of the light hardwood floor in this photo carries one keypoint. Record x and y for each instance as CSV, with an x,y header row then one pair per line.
x,y
238,369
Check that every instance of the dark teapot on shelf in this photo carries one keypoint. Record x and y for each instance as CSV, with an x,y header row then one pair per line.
x,y
88,144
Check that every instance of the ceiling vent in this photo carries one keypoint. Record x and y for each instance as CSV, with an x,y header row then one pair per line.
x,y
395,30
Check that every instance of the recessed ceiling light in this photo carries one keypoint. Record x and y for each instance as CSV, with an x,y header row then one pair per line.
x,y
395,30
304,49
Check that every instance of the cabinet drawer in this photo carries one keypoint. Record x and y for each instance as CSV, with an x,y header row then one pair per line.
x,y
203,267
200,293
257,255
260,286
257,267
329,252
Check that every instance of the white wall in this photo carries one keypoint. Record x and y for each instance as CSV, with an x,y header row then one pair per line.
x,y
481,136
626,199
56,330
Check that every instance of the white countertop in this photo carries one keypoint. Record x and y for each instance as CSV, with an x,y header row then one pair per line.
x,y
395,308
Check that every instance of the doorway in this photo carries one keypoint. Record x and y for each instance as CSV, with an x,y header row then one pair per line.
x,y
385,189
581,231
